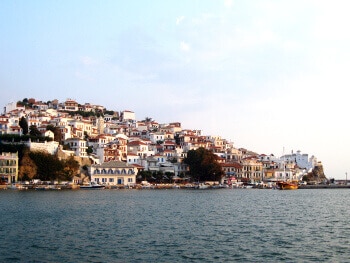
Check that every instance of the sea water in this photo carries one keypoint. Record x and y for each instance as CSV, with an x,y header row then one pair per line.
x,y
224,225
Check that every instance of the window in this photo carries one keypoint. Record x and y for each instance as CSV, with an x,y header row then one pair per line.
x,y
111,180
130,180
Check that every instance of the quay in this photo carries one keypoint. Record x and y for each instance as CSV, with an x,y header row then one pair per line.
x,y
156,186
324,186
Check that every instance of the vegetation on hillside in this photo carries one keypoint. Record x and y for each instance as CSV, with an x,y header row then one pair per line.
x,y
41,165
316,175
203,165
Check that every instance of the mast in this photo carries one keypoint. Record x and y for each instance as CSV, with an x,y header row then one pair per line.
x,y
284,166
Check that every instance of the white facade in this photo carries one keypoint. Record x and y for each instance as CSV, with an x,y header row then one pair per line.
x,y
284,175
133,159
157,136
128,116
78,146
113,173
302,160
49,147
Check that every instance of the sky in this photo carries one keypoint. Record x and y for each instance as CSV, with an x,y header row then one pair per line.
x,y
269,76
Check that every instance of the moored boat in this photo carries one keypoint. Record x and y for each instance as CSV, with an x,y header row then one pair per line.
x,y
92,185
202,186
17,187
284,185
41,187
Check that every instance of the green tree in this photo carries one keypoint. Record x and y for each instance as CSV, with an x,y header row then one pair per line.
x,y
168,176
24,125
89,150
49,167
144,176
71,168
203,165
27,169
34,131
158,177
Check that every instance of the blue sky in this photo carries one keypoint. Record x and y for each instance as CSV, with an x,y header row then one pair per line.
x,y
266,75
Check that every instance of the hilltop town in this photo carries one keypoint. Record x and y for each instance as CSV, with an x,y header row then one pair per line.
x,y
113,147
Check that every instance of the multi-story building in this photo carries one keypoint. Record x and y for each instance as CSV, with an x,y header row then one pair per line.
x,y
139,148
232,169
4,124
70,105
302,160
113,173
78,145
252,169
9,167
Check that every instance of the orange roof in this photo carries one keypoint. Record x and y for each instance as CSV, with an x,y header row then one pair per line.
x,y
135,143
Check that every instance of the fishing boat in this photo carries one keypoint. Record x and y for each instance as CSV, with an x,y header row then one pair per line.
x,y
284,185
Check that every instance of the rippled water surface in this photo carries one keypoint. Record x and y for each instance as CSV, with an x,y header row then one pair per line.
x,y
175,226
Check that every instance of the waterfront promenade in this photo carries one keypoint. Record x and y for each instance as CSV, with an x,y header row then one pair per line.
x,y
153,186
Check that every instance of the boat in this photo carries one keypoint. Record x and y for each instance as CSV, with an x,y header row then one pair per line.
x,y
17,187
92,185
220,186
175,186
202,186
284,185
189,186
146,185
41,187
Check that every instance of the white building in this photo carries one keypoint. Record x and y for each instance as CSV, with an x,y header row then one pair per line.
x,y
302,160
156,136
133,159
113,173
78,146
128,116
9,167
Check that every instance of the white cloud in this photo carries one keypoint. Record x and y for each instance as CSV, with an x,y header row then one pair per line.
x,y
179,20
184,46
